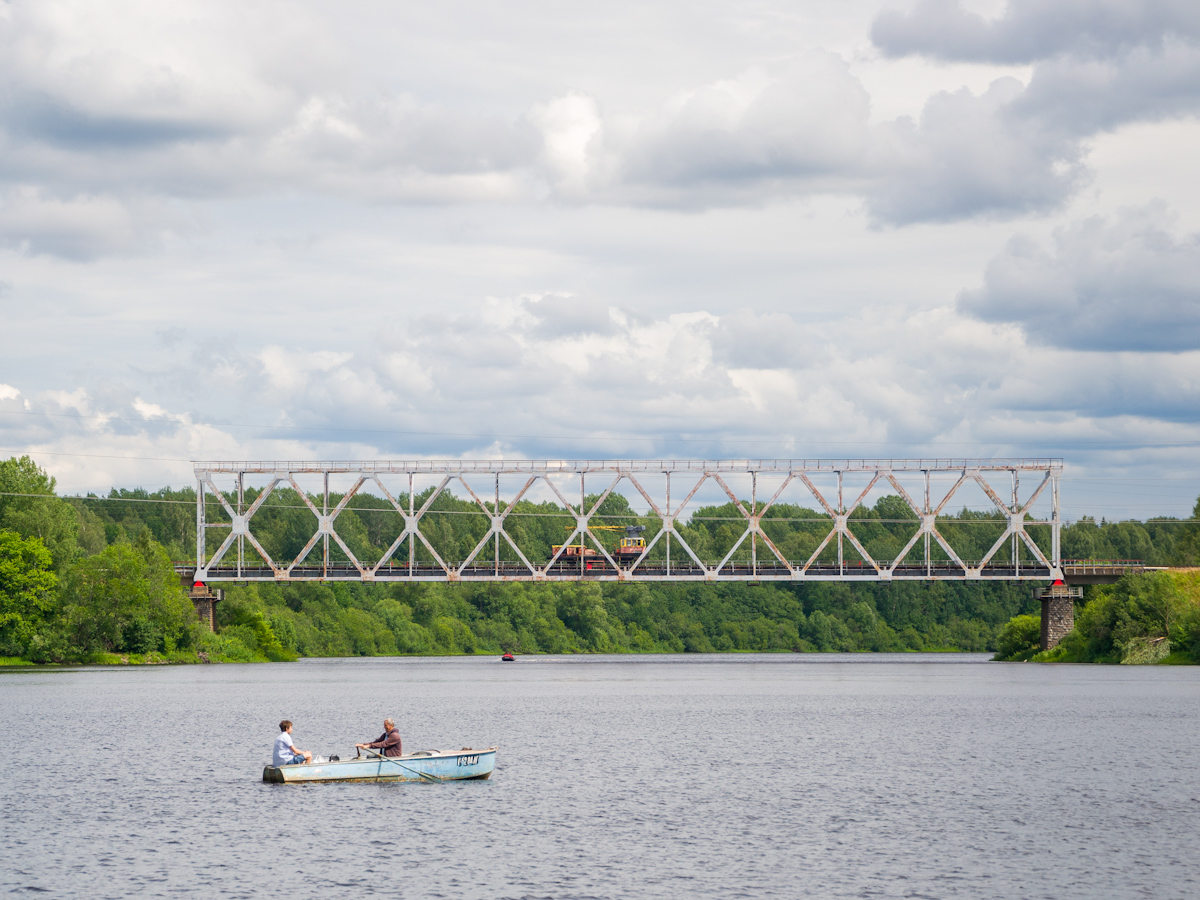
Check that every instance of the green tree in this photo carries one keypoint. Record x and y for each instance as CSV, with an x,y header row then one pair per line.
x,y
581,608
1187,546
1020,639
126,598
28,506
27,590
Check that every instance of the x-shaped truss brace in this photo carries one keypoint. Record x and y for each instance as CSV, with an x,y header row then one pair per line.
x,y
1016,516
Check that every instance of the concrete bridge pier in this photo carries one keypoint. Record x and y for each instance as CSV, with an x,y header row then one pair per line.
x,y
1058,612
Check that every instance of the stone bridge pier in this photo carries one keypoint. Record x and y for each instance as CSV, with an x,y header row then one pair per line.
x,y
1058,612
203,598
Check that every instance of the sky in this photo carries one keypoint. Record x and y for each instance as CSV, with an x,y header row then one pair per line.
x,y
379,230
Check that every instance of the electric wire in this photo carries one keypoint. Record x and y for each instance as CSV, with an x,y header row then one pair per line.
x,y
951,519
593,437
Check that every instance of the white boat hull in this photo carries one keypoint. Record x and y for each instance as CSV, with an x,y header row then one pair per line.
x,y
425,765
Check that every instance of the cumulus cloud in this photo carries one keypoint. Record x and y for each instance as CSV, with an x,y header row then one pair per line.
x,y
970,155
97,121
83,226
570,128
1098,65
1084,96
805,119
1032,30
122,76
804,127
492,380
128,98
1125,283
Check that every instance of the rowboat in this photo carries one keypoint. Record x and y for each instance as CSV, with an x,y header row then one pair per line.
x,y
424,765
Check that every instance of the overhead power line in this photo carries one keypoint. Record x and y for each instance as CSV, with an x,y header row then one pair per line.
x,y
633,514
600,436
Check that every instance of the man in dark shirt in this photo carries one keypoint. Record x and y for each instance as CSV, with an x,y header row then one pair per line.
x,y
387,743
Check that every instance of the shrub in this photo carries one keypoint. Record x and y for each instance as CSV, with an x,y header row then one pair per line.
x,y
1020,639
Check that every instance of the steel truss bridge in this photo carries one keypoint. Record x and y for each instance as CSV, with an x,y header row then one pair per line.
x,y
233,558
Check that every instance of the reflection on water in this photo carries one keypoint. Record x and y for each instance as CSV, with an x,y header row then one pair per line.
x,y
710,776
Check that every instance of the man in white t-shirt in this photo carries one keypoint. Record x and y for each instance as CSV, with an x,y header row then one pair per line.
x,y
286,753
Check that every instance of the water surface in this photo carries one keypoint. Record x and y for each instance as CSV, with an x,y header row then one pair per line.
x,y
687,776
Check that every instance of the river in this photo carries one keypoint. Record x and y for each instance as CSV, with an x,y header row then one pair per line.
x,y
724,776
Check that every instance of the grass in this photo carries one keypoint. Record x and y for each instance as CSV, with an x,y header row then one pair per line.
x,y
1177,658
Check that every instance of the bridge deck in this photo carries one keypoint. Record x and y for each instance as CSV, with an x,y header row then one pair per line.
x,y
657,571
1100,572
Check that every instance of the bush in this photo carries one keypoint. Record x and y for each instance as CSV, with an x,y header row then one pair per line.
x,y
1020,639
229,646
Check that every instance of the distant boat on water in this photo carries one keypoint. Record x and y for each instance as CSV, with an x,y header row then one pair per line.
x,y
508,657
424,765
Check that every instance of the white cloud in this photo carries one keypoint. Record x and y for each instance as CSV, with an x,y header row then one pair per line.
x,y
702,230
571,128
77,227
99,121
1123,284
805,120
934,383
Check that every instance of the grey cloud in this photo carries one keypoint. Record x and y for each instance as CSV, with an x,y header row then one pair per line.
x,y
1032,30
883,376
1123,284
971,155
806,119
771,341
1098,66
80,226
1081,97
561,315
55,121
805,128
401,132
1122,385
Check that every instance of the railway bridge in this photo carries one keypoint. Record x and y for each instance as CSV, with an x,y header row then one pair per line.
x,y
786,520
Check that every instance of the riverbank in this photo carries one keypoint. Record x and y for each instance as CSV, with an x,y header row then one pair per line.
x,y
1142,620
183,657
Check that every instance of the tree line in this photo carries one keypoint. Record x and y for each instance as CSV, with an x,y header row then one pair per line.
x,y
90,578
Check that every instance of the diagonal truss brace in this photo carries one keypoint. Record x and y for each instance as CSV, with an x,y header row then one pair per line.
x,y
1016,519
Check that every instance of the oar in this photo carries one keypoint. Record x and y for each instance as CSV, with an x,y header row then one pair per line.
x,y
425,775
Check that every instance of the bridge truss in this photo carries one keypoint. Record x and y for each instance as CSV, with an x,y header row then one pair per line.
x,y
229,513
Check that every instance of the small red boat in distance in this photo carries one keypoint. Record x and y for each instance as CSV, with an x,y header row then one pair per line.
x,y
508,657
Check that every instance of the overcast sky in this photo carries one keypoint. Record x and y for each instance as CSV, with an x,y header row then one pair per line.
x,y
362,230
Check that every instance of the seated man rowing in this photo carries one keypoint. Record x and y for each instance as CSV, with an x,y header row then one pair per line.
x,y
387,743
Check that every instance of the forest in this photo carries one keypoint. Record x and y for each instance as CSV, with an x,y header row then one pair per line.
x,y
91,579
